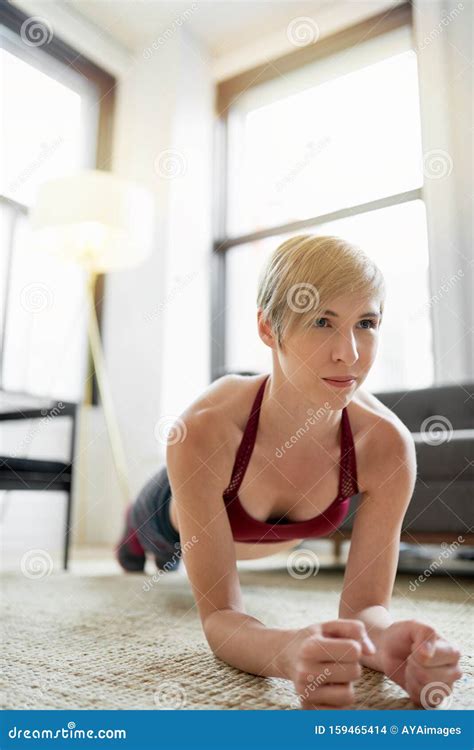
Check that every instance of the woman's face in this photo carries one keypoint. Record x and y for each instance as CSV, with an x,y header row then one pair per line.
x,y
342,342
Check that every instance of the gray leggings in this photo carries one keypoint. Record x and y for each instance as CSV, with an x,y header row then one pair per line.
x,y
150,517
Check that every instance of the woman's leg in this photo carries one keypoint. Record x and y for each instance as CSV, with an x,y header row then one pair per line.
x,y
149,529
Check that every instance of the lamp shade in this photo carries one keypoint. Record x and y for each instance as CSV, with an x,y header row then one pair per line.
x,y
94,218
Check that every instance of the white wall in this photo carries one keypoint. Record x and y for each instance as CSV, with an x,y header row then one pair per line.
x,y
156,321
187,309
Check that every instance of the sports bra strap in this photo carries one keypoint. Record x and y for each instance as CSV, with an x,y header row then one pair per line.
x,y
246,444
348,474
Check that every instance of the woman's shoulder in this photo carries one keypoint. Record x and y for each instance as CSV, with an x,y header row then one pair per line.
x,y
368,414
210,429
220,412
380,437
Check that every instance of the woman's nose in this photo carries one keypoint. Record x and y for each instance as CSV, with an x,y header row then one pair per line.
x,y
345,348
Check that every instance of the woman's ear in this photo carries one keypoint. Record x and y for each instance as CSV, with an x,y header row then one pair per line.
x,y
264,330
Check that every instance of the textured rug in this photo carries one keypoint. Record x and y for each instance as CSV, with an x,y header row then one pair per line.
x,y
131,642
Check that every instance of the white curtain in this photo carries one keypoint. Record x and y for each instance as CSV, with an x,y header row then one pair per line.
x,y
443,40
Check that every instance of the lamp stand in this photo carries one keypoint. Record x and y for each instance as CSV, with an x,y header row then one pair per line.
x,y
97,357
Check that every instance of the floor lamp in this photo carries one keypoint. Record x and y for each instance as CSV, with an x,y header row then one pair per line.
x,y
104,223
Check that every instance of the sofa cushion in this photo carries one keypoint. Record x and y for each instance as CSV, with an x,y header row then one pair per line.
x,y
453,402
438,506
450,458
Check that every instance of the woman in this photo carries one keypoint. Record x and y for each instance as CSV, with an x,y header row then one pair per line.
x,y
254,469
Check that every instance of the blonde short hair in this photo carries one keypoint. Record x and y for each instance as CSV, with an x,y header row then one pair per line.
x,y
308,270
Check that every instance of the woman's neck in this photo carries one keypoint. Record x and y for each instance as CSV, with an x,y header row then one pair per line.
x,y
287,414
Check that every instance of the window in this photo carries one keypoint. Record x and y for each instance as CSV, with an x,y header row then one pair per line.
x,y
331,147
52,116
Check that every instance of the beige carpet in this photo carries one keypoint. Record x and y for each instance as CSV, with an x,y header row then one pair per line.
x,y
103,642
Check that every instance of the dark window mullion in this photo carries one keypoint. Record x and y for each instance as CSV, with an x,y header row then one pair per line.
x,y
218,260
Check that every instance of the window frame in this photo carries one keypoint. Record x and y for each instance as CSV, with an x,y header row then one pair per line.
x,y
105,83
227,92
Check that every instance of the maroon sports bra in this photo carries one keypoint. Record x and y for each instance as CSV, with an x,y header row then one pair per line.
x,y
245,528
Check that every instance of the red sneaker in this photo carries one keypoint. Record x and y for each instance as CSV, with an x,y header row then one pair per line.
x,y
129,552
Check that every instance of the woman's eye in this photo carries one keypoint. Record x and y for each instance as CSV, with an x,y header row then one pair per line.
x,y
371,323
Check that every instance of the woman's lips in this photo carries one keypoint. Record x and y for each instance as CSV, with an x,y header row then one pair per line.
x,y
340,383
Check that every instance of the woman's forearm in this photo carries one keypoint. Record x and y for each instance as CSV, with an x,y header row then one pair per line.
x,y
246,643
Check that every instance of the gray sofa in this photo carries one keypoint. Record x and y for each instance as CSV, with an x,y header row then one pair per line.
x,y
442,507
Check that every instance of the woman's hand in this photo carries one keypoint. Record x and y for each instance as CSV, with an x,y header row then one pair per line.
x,y
420,660
326,662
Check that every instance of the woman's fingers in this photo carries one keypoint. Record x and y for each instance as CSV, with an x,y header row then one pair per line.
x,y
428,685
328,662
330,681
425,675
413,689
327,672
331,695
444,653
354,629
331,649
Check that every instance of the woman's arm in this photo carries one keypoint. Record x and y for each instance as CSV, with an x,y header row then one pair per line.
x,y
198,470
388,479
372,566
246,643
